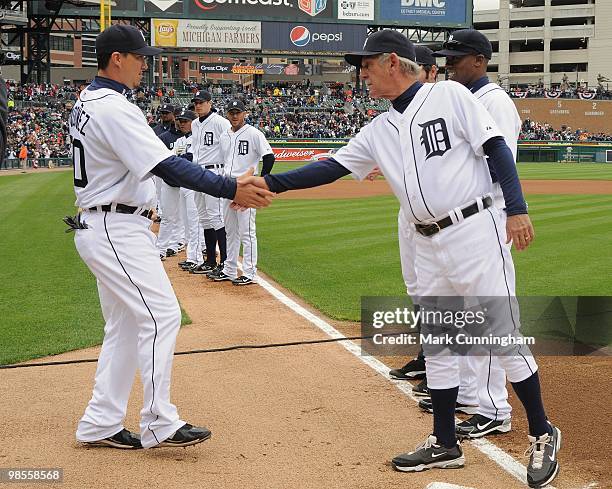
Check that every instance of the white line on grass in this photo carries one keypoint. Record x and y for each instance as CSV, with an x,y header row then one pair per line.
x,y
501,458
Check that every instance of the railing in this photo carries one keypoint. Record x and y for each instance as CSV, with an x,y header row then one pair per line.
x,y
15,163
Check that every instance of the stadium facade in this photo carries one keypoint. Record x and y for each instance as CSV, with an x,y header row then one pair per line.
x,y
540,41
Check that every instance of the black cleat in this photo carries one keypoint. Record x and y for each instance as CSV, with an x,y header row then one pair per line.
x,y
124,439
243,280
426,405
414,369
479,425
185,436
421,389
430,455
543,465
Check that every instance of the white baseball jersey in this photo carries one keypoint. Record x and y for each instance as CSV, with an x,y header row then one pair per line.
x,y
205,139
113,151
432,154
183,144
502,109
243,149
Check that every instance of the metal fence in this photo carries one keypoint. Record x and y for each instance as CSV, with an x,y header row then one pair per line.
x,y
15,164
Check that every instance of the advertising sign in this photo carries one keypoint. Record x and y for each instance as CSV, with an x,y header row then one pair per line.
x,y
258,9
426,12
251,69
287,36
356,10
302,154
205,34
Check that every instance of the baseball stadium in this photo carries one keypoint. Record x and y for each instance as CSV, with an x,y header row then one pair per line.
x,y
249,243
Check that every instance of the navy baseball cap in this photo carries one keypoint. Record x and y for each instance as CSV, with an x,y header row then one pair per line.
x,y
466,41
381,42
124,39
424,55
202,95
166,108
236,104
186,114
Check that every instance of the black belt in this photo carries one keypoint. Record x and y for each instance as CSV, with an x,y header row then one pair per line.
x,y
210,167
435,227
123,209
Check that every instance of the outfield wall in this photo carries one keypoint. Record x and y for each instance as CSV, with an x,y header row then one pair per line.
x,y
591,115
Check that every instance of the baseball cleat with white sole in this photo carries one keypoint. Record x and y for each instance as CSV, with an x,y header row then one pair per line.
x,y
430,455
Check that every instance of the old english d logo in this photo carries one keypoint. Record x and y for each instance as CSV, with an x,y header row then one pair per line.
x,y
435,138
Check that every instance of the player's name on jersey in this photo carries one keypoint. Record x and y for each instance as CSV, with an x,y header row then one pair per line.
x,y
79,119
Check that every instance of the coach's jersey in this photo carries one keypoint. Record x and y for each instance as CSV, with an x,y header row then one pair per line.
x,y
243,149
113,151
206,137
503,111
432,154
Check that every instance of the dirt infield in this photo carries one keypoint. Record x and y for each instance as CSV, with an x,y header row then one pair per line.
x,y
348,189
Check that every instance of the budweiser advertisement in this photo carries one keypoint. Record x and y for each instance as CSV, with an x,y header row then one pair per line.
x,y
302,154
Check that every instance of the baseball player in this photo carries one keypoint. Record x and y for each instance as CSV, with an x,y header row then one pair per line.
x,y
115,153
169,228
242,146
166,115
483,380
431,147
206,134
415,368
187,205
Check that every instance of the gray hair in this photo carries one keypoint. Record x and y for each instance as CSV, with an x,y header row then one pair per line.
x,y
407,67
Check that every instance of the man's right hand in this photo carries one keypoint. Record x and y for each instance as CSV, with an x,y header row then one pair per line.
x,y
249,194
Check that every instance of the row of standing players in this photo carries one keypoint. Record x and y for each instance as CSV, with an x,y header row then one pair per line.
x,y
203,223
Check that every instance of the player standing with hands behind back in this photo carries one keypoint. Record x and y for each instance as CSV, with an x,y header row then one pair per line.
x,y
242,146
115,154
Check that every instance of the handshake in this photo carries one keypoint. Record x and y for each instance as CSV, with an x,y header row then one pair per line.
x,y
251,192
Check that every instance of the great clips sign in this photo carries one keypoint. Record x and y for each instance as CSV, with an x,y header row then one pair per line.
x,y
307,37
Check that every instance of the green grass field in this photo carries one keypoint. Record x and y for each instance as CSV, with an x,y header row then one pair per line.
x,y
49,300
330,252
527,171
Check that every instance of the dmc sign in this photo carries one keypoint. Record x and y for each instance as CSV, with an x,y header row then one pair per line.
x,y
301,36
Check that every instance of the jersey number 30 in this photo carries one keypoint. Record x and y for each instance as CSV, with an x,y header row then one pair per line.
x,y
78,163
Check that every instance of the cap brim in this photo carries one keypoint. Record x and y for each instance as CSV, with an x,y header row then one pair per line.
x,y
452,52
148,51
355,58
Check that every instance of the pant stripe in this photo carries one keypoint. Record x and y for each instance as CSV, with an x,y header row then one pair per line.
x,y
507,287
488,391
152,317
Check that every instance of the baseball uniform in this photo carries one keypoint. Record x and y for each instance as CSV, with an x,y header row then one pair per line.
x,y
115,154
206,133
242,150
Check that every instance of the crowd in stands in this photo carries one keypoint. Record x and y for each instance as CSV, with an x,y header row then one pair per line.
x,y
38,114
536,131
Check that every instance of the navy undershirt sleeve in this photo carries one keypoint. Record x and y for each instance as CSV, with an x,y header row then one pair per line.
x,y
178,172
502,161
267,164
311,175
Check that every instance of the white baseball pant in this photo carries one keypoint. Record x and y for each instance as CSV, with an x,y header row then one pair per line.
x,y
168,236
240,229
142,318
483,379
468,259
193,231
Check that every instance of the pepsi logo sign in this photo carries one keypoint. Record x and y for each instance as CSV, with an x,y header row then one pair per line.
x,y
299,35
